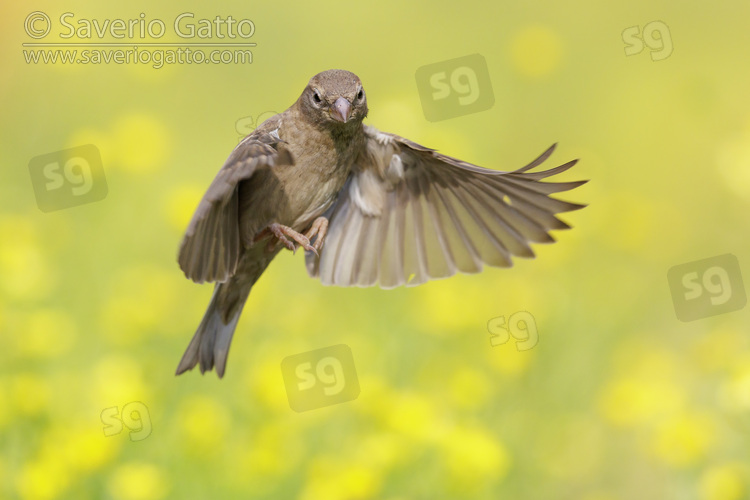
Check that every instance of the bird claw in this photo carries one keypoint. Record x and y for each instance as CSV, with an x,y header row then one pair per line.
x,y
283,235
320,228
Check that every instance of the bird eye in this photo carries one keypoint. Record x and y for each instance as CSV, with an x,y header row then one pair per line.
x,y
360,94
316,97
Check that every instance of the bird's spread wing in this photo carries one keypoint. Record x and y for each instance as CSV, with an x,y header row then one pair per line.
x,y
212,247
409,214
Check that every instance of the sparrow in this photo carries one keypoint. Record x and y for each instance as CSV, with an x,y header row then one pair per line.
x,y
368,207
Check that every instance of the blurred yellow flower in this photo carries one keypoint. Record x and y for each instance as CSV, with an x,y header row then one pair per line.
x,y
473,455
723,482
636,226
275,449
468,388
629,401
86,448
30,393
414,416
47,333
141,143
573,449
140,300
180,203
25,273
204,423
684,439
42,479
734,397
138,481
722,349
733,161
536,51
380,396
508,360
445,304
117,380
337,479
73,449
265,381
647,385
383,450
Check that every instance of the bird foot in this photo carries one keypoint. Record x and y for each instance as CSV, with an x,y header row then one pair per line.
x,y
283,235
319,228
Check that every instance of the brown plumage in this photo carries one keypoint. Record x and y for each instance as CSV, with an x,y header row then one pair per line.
x,y
390,212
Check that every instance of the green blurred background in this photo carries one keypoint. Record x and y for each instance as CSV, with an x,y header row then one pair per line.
x,y
618,400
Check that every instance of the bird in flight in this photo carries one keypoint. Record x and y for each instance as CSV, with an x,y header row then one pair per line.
x,y
368,207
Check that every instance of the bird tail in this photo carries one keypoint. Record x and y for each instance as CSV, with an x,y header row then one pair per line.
x,y
210,344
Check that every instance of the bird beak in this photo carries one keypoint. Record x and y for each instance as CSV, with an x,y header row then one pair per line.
x,y
340,110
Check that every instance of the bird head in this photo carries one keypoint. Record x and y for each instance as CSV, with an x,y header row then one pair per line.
x,y
334,99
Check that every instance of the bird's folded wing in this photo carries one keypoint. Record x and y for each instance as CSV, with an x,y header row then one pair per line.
x,y
211,247
409,214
